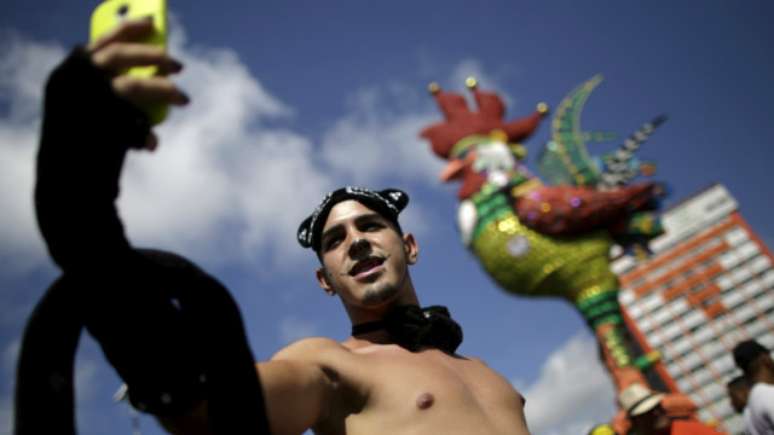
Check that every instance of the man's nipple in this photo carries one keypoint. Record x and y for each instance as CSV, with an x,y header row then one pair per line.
x,y
425,401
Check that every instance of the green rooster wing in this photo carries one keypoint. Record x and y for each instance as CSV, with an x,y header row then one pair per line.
x,y
565,158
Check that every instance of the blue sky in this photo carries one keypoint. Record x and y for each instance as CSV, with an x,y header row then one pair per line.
x,y
295,98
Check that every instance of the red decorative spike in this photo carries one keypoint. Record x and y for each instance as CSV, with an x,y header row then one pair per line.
x,y
520,129
453,106
461,122
489,104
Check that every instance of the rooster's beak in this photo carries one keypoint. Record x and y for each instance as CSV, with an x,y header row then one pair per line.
x,y
454,168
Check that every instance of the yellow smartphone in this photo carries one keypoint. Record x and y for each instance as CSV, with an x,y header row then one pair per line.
x,y
111,13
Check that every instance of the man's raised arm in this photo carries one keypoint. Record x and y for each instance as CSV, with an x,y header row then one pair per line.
x,y
90,121
172,332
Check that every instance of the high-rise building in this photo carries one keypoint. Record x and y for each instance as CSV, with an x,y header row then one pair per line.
x,y
708,286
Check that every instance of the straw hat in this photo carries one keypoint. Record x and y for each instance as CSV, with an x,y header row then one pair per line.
x,y
637,399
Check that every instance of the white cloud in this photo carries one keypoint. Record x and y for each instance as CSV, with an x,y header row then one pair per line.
x,y
573,392
225,186
23,68
376,142
380,132
220,166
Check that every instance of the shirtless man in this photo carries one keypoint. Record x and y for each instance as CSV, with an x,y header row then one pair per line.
x,y
368,384
188,361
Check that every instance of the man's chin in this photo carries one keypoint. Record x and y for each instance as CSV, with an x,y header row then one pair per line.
x,y
377,295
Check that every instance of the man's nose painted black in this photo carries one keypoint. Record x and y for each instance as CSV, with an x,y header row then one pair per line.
x,y
359,249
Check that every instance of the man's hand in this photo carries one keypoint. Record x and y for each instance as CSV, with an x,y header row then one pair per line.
x,y
120,50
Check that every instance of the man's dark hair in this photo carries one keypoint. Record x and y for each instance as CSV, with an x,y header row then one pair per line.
x,y
747,353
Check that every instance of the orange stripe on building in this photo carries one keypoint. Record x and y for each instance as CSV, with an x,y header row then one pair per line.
x,y
704,294
685,286
688,265
715,310
676,252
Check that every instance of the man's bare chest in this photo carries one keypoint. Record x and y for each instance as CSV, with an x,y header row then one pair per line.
x,y
394,376
386,389
401,392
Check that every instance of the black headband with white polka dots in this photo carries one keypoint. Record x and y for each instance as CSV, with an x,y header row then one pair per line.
x,y
388,203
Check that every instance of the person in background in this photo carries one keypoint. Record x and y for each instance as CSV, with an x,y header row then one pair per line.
x,y
643,407
648,416
758,367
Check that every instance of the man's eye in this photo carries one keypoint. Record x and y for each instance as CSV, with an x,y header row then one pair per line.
x,y
371,226
331,244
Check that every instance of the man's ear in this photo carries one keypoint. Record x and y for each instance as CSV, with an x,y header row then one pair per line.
x,y
322,280
411,248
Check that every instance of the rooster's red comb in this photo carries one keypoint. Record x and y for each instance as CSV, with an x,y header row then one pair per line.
x,y
461,121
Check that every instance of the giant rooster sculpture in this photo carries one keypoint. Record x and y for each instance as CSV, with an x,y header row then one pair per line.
x,y
544,240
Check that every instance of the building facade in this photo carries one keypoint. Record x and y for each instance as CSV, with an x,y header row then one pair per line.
x,y
708,286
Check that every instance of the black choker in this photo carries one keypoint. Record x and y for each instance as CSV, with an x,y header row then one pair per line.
x,y
365,328
414,328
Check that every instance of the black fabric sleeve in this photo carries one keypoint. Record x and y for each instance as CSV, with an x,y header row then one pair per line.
x,y
172,332
86,132
45,398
